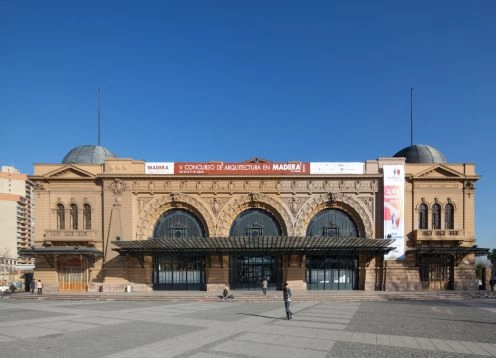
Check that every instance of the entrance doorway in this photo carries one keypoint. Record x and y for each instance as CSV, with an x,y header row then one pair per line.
x,y
436,272
72,279
73,273
332,273
248,272
178,273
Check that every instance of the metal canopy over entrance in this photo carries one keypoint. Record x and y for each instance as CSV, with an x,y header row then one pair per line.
x,y
264,245
254,258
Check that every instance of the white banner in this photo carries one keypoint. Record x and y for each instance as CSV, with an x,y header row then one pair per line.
x,y
337,168
394,209
159,168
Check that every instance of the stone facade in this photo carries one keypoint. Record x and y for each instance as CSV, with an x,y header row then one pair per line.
x,y
126,204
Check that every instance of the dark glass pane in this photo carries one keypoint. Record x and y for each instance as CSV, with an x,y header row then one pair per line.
x,y
436,216
74,217
332,223
178,223
449,216
60,217
423,216
254,223
87,217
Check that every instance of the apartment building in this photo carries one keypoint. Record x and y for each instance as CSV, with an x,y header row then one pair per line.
x,y
16,223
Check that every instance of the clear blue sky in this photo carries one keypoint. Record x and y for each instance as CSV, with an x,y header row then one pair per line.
x,y
231,80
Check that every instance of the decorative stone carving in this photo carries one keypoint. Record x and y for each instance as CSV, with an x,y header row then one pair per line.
x,y
234,206
374,186
215,205
39,187
117,187
142,202
469,188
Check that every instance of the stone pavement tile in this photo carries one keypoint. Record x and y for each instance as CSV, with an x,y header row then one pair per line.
x,y
100,320
307,324
370,338
357,337
426,344
344,336
321,318
27,331
442,345
4,339
411,342
458,347
285,341
66,326
383,340
491,348
204,355
297,332
475,348
251,349
397,341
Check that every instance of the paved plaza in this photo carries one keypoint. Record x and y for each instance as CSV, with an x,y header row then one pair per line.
x,y
112,328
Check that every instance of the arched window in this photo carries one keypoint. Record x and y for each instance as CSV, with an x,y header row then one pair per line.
x,y
332,223
422,216
255,223
449,216
60,217
74,217
178,224
436,216
87,217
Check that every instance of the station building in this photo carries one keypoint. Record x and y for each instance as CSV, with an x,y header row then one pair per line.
x,y
404,222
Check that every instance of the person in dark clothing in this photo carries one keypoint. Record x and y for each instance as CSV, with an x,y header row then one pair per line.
x,y
32,285
225,293
286,294
492,282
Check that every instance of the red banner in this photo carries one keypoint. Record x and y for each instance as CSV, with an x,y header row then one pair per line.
x,y
221,168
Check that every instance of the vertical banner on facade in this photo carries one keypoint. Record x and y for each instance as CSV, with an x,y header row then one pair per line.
x,y
394,211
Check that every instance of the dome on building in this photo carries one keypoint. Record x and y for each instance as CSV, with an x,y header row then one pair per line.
x,y
88,154
421,153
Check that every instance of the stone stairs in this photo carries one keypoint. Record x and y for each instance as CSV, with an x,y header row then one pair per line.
x,y
257,296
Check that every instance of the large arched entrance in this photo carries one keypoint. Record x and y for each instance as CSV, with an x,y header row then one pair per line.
x,y
340,270
248,272
178,272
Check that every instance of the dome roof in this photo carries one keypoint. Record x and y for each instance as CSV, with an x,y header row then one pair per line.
x,y
88,154
421,153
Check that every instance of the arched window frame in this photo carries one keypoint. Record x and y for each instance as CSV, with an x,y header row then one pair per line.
x,y
449,216
86,216
60,216
423,210
436,216
74,216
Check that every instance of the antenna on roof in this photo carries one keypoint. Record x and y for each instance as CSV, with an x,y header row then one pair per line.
x,y
411,117
99,117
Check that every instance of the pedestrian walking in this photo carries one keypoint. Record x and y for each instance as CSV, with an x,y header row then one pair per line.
x,y
286,294
492,282
264,286
32,285
39,286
